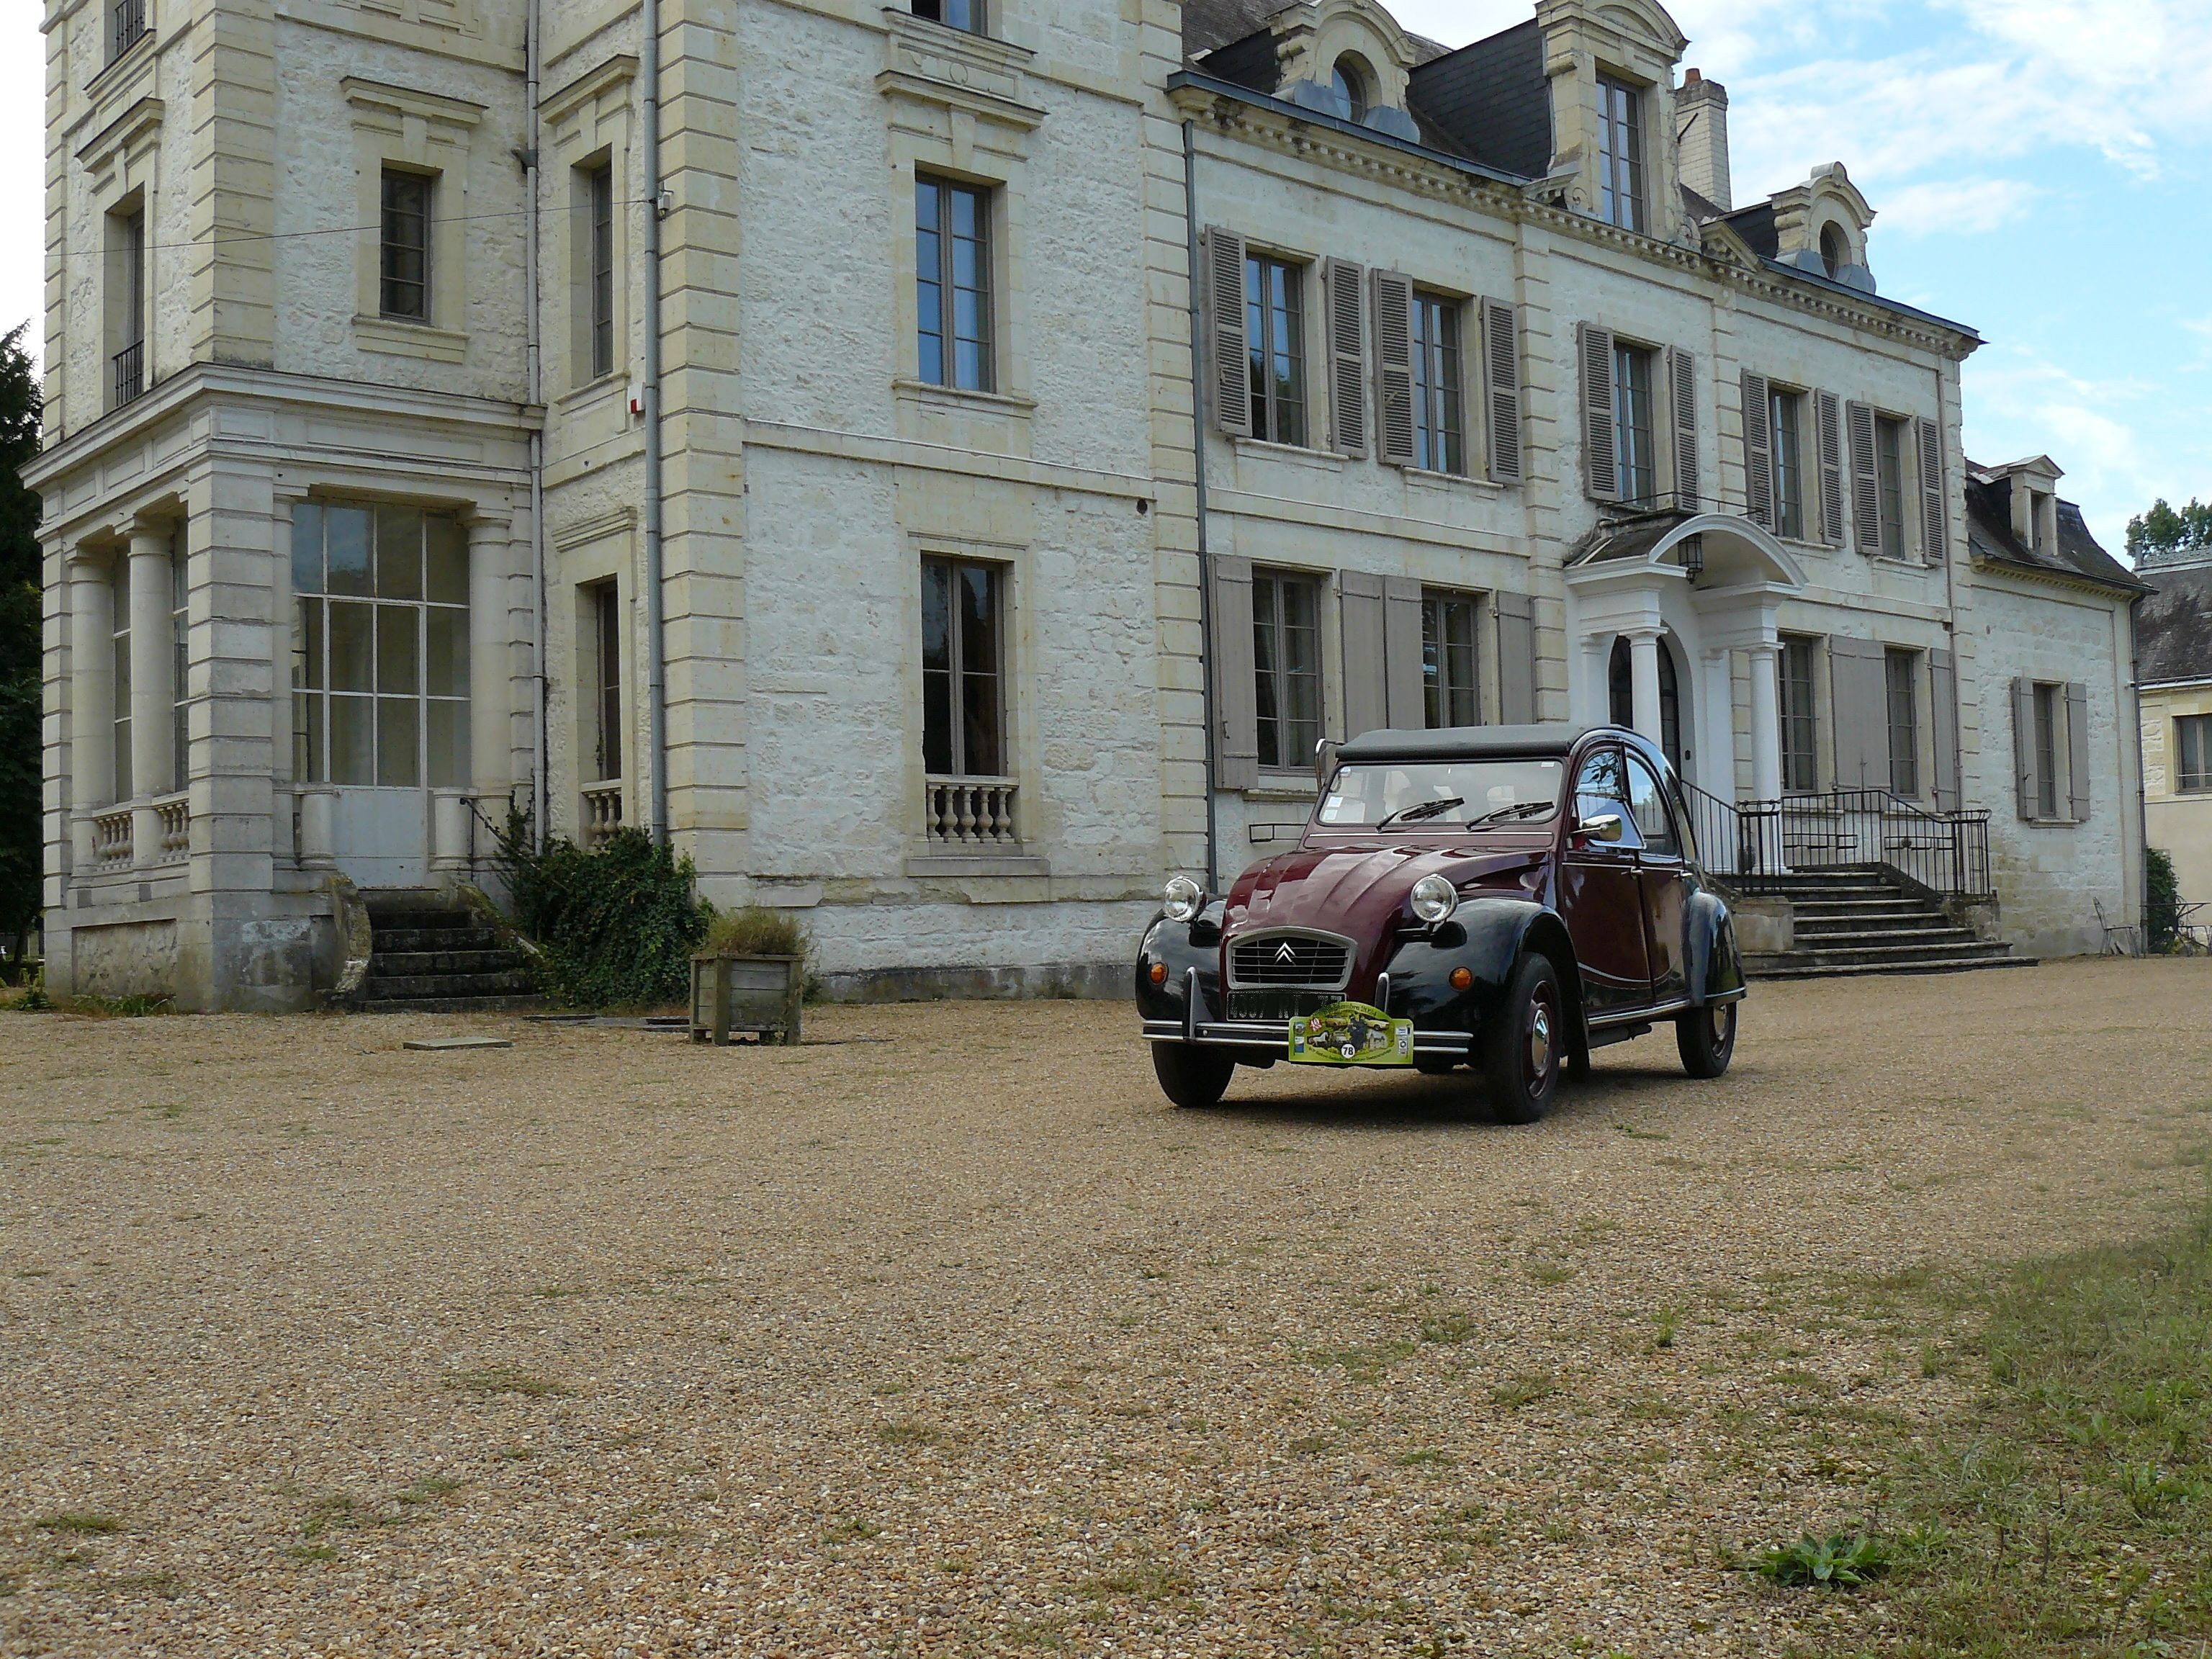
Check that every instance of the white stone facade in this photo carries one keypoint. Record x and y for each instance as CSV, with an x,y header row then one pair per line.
x,y
813,466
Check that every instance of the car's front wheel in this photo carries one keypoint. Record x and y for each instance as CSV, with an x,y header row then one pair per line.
x,y
1706,1038
1526,1043
1190,1075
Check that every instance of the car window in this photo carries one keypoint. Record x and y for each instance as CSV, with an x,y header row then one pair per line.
x,y
1602,789
1648,801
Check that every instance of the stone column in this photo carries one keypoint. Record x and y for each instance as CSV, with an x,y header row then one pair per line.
x,y
1644,679
1766,725
153,697
1716,747
490,694
92,701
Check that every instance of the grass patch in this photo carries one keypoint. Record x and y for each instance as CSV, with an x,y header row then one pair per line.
x,y
1447,1328
1140,1580
1839,1561
910,1431
1362,1364
1526,1389
1550,1272
502,1379
78,1524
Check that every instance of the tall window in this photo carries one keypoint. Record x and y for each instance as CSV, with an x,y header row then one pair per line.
x,y
2048,713
1889,475
953,277
179,657
1902,669
1635,441
380,652
1438,441
122,668
953,13
606,604
1801,761
1788,465
403,269
1275,330
1620,153
2192,750
126,306
600,207
126,26
1286,660
962,705
1451,693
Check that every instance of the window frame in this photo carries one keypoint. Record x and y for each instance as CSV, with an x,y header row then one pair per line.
x,y
1891,491
605,598
975,13
1672,848
179,656
1785,416
1901,682
120,727
126,310
1621,158
2048,703
1794,722
1442,692
599,264
2185,781
1276,331
1635,448
957,673
1439,367
936,269
386,282
1276,679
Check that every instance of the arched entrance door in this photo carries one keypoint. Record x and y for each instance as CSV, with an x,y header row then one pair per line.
x,y
1620,690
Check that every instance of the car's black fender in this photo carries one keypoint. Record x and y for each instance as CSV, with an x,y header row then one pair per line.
x,y
1714,966
1487,936
1182,946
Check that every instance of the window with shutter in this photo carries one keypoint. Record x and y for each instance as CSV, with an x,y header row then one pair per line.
x,y
1682,383
1394,368
2023,747
1402,650
1516,658
1928,440
1347,357
1451,661
1225,313
1366,677
2077,751
1439,444
1829,416
1757,452
1601,470
1501,360
1866,487
1942,717
1237,741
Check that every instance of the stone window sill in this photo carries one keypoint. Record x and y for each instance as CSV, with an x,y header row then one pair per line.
x,y
1004,862
590,390
1321,460
930,393
399,339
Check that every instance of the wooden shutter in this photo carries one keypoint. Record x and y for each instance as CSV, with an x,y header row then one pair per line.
x,y
1225,314
2023,746
1516,659
1758,451
1401,651
1866,487
1601,467
1366,682
1929,442
1828,416
1236,706
1501,378
1942,723
1394,368
1858,694
1682,382
1347,356
2078,752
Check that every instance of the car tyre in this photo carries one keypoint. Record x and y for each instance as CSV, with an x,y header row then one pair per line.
x,y
1191,1077
1526,1044
1706,1038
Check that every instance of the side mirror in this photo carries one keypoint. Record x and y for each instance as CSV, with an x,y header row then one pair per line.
x,y
1605,829
1324,762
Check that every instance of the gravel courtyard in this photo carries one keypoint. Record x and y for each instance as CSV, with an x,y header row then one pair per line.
x,y
944,1334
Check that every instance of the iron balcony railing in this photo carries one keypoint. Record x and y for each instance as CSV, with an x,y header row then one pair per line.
x,y
1758,842
130,366
127,26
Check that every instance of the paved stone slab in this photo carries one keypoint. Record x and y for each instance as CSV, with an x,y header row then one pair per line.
x,y
461,1043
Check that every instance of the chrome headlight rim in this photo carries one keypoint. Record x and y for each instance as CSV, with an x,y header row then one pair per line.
x,y
1434,898
1182,899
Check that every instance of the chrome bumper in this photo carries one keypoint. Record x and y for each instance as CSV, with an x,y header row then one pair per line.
x,y
1274,1034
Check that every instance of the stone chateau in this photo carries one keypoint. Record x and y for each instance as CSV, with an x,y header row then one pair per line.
x,y
947,467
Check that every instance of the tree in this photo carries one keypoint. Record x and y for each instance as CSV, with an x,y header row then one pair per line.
x,y
2164,531
21,849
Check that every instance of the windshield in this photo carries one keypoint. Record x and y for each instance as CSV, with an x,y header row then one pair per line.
x,y
1431,795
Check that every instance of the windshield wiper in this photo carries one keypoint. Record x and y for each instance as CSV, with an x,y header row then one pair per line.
x,y
1420,810
1525,809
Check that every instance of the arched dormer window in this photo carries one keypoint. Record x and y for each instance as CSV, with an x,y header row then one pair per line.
x,y
1349,82
1835,252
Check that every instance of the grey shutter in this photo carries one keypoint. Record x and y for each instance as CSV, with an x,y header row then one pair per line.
x,y
1394,368
1347,356
1858,693
1758,451
1942,723
1401,641
1236,744
2078,752
1601,468
1682,382
1366,684
1501,373
1866,487
1516,659
1225,314
1828,416
2023,747
1929,442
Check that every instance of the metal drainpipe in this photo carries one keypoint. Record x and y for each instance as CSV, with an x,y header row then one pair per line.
x,y
1198,451
1951,599
541,742
2142,789
656,673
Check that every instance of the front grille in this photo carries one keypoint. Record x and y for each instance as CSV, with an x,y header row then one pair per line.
x,y
1309,961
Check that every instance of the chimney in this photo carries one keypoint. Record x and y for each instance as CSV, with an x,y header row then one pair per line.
x,y
1701,118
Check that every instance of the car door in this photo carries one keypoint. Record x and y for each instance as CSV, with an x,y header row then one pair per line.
x,y
1661,876
1599,895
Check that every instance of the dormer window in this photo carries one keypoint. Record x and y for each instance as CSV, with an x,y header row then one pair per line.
x,y
964,14
1349,82
1620,153
1835,253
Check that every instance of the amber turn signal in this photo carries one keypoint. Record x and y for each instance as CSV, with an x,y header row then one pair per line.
x,y
1461,979
1159,973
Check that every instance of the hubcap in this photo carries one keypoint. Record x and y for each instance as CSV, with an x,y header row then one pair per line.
x,y
1539,1044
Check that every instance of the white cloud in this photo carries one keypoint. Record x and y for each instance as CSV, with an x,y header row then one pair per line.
x,y
1960,206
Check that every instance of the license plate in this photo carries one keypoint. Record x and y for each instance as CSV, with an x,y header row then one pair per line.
x,y
1351,1034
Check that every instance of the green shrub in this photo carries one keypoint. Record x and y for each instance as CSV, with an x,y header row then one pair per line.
x,y
2161,900
1839,1561
615,926
757,931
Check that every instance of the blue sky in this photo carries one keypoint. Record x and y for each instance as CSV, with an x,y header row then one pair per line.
x,y
2042,170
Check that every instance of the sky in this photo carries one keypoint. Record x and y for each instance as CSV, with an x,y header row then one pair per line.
x,y
2041,170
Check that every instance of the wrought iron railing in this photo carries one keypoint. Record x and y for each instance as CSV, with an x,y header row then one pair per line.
x,y
130,366
126,27
1755,842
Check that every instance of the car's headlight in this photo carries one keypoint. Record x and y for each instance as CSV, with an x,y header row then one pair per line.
x,y
1184,899
1434,898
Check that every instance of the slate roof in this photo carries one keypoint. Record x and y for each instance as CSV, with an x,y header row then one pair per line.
x,y
1989,533
2173,624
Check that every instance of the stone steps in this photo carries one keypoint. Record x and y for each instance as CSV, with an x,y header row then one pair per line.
x,y
428,955
1853,921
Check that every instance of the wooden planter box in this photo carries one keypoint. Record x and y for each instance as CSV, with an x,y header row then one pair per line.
x,y
761,995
